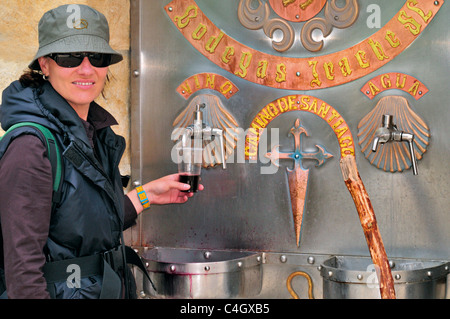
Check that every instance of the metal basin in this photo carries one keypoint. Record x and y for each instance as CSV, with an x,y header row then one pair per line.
x,y
355,278
192,273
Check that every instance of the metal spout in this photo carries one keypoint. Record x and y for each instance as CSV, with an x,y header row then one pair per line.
x,y
389,132
199,131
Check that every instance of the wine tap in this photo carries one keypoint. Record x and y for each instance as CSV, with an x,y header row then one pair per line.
x,y
199,131
389,132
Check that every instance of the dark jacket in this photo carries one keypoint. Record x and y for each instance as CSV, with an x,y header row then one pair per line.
x,y
90,217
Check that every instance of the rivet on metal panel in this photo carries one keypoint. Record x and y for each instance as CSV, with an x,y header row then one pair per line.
x,y
311,260
397,277
360,277
283,258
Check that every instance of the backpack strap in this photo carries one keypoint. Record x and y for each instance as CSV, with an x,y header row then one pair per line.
x,y
54,155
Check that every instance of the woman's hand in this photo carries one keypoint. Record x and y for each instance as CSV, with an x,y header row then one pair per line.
x,y
165,190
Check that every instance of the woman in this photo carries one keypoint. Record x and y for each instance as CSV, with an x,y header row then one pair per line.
x,y
69,71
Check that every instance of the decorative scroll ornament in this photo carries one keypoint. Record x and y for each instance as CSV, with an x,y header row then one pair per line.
x,y
258,18
214,115
334,17
393,157
297,11
307,73
298,176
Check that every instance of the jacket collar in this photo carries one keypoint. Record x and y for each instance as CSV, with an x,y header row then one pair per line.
x,y
58,106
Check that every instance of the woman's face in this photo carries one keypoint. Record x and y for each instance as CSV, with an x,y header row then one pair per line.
x,y
79,86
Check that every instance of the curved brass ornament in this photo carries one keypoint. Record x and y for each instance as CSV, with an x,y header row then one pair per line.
x,y
291,290
215,115
334,17
258,18
393,157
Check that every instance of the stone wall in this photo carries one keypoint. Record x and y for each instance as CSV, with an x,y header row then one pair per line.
x,y
19,44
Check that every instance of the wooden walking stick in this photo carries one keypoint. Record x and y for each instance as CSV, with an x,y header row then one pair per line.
x,y
369,224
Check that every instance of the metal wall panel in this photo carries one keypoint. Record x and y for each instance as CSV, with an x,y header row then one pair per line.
x,y
241,208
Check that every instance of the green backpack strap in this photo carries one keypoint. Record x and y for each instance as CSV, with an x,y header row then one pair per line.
x,y
54,155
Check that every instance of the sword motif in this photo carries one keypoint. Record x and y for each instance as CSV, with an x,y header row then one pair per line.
x,y
298,176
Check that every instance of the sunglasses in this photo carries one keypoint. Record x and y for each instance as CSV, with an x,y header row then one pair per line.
x,y
72,60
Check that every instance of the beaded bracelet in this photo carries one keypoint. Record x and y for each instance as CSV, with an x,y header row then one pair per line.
x,y
143,197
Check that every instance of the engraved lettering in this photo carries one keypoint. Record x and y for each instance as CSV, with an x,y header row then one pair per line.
x,y
385,81
227,54
411,6
183,21
345,67
199,32
392,39
361,57
213,42
316,80
261,71
378,50
410,23
329,70
281,73
246,58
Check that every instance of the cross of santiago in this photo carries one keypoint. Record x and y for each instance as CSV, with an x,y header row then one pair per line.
x,y
298,177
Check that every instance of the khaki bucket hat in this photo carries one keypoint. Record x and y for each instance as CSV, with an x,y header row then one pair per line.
x,y
73,28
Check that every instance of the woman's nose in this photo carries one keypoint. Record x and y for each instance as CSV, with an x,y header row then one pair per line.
x,y
86,66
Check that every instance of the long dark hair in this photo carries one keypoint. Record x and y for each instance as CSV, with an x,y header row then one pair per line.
x,y
32,78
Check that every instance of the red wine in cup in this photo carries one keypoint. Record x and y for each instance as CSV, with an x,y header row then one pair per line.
x,y
192,180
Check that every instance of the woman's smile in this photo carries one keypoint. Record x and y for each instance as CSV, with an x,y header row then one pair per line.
x,y
84,84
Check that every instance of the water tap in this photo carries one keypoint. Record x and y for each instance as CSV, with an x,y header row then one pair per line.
x,y
389,132
199,131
